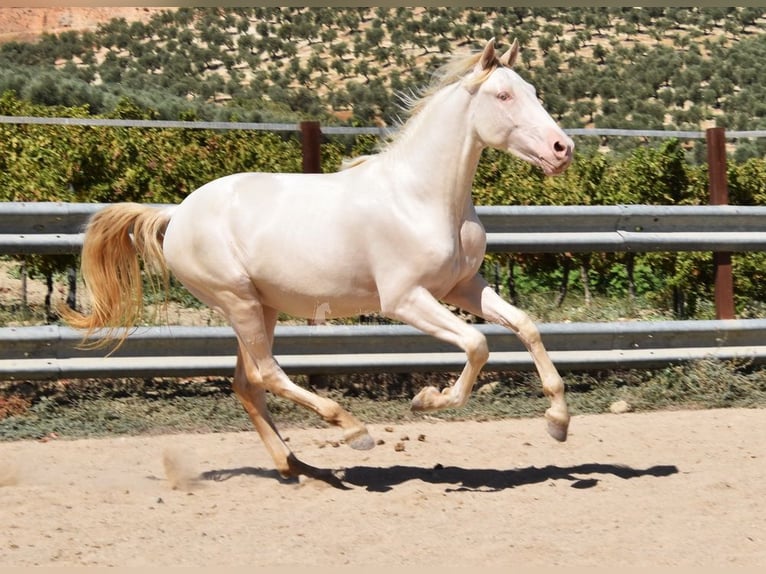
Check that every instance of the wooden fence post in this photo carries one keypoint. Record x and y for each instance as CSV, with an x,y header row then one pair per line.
x,y
719,195
311,135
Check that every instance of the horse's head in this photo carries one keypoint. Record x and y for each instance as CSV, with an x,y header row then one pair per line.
x,y
507,114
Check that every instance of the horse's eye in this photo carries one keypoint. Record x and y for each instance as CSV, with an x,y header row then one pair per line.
x,y
504,96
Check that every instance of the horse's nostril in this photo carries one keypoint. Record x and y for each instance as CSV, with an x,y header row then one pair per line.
x,y
560,145
560,149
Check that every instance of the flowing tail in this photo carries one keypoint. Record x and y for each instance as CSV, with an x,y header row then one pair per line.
x,y
115,238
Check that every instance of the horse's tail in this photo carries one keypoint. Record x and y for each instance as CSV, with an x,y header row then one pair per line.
x,y
115,238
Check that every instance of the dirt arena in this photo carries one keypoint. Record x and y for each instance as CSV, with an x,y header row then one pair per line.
x,y
667,488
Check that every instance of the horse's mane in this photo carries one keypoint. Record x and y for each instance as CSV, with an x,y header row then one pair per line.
x,y
413,102
453,71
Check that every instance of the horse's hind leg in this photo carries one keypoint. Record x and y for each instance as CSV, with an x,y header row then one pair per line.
x,y
248,387
254,325
249,390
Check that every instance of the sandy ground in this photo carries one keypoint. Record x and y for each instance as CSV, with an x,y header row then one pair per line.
x,y
669,488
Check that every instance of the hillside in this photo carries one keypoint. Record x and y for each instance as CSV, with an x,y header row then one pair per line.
x,y
648,68
29,24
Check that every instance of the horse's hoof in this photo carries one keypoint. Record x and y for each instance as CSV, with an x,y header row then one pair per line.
x,y
361,440
428,399
557,426
557,431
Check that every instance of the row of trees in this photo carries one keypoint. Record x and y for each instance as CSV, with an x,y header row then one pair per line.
x,y
610,67
99,164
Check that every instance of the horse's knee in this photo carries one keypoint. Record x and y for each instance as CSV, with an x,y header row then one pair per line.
x,y
476,348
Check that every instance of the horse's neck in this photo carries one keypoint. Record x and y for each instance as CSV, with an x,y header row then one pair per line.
x,y
440,151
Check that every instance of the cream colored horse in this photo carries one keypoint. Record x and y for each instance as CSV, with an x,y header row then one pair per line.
x,y
396,233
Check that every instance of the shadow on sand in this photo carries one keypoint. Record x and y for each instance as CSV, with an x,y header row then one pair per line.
x,y
383,479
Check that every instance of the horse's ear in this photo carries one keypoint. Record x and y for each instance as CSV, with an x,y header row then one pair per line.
x,y
510,56
487,59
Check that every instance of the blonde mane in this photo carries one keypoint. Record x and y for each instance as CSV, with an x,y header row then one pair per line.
x,y
451,72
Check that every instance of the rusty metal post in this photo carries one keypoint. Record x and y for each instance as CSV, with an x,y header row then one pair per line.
x,y
311,135
719,195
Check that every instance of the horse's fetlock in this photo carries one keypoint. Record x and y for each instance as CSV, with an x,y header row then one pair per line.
x,y
553,388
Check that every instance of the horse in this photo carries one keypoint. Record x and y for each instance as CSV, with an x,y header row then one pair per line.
x,y
395,233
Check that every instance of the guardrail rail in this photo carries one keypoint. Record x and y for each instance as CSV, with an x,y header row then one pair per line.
x,y
51,352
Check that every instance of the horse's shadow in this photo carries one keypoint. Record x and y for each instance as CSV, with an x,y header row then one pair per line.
x,y
383,479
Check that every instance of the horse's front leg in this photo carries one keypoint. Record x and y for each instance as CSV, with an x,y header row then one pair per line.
x,y
421,310
477,297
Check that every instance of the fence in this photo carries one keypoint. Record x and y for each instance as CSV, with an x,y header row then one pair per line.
x,y
51,352
56,228
50,228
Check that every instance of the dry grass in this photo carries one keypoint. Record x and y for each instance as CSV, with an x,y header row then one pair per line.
x,y
129,407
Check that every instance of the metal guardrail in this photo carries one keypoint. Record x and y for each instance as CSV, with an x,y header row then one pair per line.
x,y
341,130
640,228
45,227
51,352
56,228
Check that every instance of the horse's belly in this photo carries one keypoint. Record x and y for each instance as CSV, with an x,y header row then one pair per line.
x,y
313,303
309,274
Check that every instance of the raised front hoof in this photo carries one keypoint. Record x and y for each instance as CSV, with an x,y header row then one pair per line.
x,y
430,399
558,425
360,440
